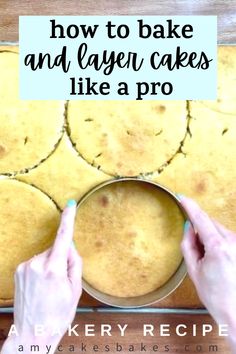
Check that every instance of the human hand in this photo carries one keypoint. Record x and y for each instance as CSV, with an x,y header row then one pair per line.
x,y
210,256
47,290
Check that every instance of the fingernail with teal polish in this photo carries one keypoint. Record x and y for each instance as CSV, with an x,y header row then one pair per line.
x,y
71,203
186,225
179,196
73,243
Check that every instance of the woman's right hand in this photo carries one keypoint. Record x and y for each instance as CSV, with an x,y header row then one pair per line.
x,y
209,250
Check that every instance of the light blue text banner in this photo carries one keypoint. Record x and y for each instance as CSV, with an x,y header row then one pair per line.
x,y
118,57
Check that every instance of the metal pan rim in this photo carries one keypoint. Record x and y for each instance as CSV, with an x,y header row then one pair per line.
x,y
156,295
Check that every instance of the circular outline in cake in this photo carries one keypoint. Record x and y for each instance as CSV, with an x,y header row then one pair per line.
x,y
128,233
127,138
28,223
30,130
64,165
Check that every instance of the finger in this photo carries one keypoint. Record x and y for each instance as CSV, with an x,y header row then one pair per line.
x,y
190,249
75,267
65,231
202,223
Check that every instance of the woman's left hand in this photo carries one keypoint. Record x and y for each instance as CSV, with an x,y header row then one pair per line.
x,y
47,290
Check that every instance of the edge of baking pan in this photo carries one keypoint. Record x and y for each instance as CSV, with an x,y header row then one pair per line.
x,y
154,310
8,43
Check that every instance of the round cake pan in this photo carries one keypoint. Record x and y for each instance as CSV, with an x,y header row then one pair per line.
x,y
156,295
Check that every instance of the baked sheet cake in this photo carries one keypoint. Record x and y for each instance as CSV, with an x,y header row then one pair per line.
x,y
54,151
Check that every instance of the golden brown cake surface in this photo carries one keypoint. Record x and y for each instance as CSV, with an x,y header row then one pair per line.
x,y
128,234
64,175
206,169
29,130
226,82
130,137
28,224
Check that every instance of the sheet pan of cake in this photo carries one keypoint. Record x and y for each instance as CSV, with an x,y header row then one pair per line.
x,y
53,151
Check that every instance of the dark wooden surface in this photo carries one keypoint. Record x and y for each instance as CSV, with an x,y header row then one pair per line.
x,y
225,10
134,335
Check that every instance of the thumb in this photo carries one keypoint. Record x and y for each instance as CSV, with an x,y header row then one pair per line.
x,y
190,249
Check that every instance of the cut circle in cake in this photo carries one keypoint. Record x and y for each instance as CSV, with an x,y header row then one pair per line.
x,y
127,138
29,130
206,170
64,175
128,234
28,224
